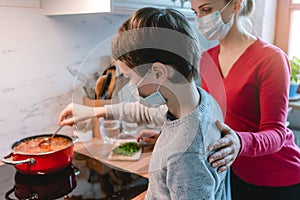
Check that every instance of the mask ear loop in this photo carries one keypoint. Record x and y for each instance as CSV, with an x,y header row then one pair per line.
x,y
142,79
134,87
158,87
225,6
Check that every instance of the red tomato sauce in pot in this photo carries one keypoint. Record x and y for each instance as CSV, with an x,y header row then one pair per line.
x,y
36,145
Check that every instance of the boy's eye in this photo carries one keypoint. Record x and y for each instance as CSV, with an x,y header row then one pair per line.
x,y
125,76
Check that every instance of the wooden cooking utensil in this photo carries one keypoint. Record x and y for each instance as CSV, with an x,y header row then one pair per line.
x,y
100,86
47,141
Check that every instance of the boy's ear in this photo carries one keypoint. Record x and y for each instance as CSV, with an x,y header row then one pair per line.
x,y
160,70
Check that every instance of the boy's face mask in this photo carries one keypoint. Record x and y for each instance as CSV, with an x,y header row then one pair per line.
x,y
212,26
153,100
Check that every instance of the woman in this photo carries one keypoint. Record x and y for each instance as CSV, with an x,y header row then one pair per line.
x,y
255,78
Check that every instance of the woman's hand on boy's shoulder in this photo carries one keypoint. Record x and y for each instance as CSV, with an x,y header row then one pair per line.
x,y
227,148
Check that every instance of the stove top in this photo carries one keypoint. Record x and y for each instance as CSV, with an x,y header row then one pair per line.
x,y
84,179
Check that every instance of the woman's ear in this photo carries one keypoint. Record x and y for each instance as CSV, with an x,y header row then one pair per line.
x,y
160,71
237,5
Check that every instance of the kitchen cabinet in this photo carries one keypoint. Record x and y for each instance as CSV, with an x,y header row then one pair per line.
x,y
68,7
129,6
20,3
65,7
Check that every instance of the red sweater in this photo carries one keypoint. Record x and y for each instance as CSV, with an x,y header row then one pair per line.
x,y
254,97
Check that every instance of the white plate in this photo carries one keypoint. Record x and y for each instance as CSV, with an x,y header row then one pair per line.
x,y
134,157
295,98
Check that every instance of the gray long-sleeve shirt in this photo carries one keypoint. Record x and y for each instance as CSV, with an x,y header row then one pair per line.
x,y
179,168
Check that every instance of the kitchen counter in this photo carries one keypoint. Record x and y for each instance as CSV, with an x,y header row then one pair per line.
x,y
295,104
99,151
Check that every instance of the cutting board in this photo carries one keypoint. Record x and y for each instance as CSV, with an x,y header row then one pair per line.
x,y
134,157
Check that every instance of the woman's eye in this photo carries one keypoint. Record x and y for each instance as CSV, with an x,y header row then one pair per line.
x,y
206,10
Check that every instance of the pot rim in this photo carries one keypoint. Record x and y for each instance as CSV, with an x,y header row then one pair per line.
x,y
37,136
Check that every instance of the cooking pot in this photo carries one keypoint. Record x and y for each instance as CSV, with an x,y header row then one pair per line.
x,y
46,187
41,163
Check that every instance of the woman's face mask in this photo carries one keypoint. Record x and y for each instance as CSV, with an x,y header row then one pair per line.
x,y
212,26
153,100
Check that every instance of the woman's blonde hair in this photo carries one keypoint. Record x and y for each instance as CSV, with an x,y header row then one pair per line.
x,y
244,22
247,8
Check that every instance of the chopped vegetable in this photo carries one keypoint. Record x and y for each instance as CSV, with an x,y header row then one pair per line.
x,y
127,149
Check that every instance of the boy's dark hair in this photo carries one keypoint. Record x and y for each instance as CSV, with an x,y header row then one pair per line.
x,y
158,35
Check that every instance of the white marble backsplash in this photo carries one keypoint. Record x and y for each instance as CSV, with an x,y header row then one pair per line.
x,y
35,52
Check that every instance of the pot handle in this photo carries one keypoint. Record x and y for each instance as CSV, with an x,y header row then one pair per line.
x,y
17,162
9,193
31,197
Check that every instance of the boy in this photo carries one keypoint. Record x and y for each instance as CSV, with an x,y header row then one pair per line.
x,y
158,50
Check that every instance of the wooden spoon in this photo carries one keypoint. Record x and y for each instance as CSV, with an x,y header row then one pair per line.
x,y
47,141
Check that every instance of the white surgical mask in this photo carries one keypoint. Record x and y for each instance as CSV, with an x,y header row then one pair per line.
x,y
153,100
212,26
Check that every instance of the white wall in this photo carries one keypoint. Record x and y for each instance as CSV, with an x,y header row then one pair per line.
x,y
269,20
35,51
263,19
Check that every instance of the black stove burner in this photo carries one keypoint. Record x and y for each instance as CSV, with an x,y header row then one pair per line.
x,y
49,186
76,182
